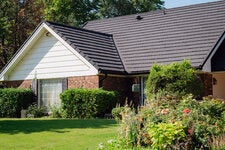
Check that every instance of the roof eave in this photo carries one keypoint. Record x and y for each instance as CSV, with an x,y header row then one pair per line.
x,y
214,49
103,71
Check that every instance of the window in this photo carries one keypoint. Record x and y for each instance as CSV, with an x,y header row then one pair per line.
x,y
49,91
143,87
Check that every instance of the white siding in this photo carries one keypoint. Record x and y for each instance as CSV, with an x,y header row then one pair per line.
x,y
49,58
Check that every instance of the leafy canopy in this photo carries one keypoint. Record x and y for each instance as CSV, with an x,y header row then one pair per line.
x,y
77,12
113,8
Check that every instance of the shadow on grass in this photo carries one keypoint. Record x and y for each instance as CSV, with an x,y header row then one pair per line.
x,y
27,126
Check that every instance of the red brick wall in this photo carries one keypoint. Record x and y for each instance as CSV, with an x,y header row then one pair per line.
x,y
19,84
120,84
89,82
207,83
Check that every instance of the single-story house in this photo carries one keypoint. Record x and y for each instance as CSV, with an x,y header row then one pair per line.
x,y
117,53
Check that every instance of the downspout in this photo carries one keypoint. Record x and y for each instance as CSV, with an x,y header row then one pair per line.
x,y
101,80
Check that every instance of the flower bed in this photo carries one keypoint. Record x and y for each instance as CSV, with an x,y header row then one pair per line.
x,y
172,124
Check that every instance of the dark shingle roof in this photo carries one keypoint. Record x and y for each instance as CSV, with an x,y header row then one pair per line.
x,y
165,36
98,48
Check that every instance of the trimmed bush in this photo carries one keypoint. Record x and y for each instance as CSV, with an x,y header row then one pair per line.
x,y
87,103
13,100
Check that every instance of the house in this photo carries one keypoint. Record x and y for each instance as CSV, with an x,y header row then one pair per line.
x,y
117,53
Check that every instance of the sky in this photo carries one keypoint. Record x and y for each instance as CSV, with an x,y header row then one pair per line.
x,y
178,3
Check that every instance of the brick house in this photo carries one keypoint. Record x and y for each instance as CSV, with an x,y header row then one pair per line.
x,y
117,53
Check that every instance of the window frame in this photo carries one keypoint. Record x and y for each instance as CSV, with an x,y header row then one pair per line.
x,y
40,93
143,87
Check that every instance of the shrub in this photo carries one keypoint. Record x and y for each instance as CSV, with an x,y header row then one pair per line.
x,y
56,112
34,111
176,78
112,144
117,113
164,135
13,100
85,103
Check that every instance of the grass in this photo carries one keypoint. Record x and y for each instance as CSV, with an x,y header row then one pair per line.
x,y
55,134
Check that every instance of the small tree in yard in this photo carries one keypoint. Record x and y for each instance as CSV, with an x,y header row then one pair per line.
x,y
177,79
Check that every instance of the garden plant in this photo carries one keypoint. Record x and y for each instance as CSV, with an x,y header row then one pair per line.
x,y
172,119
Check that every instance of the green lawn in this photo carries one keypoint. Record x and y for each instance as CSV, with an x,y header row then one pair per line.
x,y
55,134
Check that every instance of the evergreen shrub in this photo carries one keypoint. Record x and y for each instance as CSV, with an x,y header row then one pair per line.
x,y
13,100
178,78
87,103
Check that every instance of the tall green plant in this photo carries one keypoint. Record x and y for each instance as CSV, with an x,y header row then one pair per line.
x,y
176,78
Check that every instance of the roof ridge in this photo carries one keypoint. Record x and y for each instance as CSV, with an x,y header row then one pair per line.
x,y
122,61
76,28
153,11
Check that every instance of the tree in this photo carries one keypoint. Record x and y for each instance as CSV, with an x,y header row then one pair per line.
x,y
17,20
70,12
5,26
77,12
113,8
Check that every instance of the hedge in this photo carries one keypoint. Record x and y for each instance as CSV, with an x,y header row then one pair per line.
x,y
13,100
87,103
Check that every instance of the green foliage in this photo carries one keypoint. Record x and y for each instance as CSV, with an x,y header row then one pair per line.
x,y
171,123
56,112
113,144
164,134
70,12
117,113
77,12
85,103
12,101
178,79
17,20
213,107
34,111
115,8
